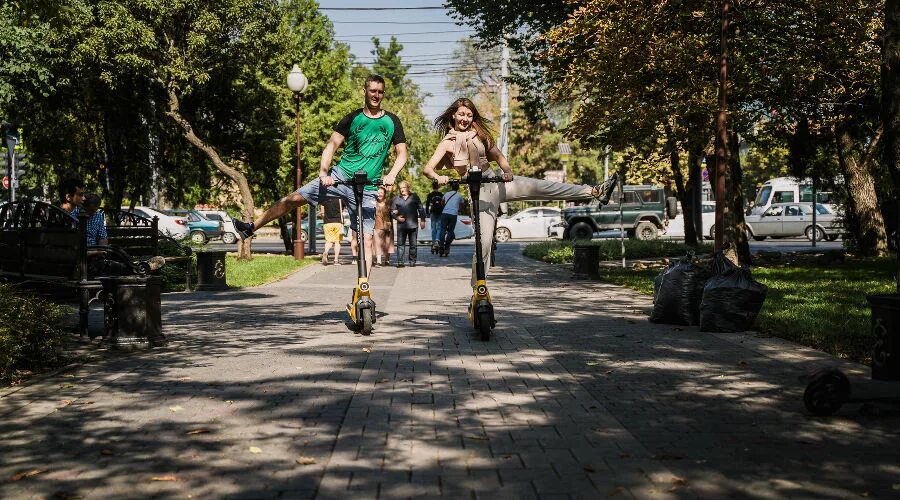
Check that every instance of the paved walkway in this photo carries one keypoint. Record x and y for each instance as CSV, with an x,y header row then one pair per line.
x,y
265,393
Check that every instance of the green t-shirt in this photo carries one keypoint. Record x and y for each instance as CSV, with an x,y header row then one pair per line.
x,y
367,142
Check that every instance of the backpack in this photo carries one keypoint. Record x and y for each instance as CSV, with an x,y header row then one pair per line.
x,y
436,204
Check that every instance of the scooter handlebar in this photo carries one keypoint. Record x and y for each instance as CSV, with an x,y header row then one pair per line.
x,y
484,180
352,182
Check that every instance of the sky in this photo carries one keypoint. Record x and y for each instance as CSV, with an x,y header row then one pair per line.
x,y
428,38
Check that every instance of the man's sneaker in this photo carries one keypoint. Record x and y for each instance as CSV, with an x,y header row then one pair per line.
x,y
244,229
603,192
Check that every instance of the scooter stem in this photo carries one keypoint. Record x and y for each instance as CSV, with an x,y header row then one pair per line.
x,y
359,184
473,179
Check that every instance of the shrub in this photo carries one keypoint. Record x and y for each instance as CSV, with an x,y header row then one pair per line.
x,y
561,252
32,333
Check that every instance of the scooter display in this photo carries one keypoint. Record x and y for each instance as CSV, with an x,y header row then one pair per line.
x,y
481,310
362,307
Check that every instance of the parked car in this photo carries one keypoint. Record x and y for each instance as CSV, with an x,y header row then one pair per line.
x,y
644,215
786,190
532,222
229,233
462,230
171,226
304,229
783,220
202,229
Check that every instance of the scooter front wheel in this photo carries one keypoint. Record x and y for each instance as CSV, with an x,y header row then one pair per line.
x,y
484,323
366,321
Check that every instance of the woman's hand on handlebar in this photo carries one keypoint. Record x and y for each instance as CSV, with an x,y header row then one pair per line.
x,y
507,176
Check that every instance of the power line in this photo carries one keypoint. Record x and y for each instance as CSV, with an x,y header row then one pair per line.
x,y
381,8
407,33
391,22
405,43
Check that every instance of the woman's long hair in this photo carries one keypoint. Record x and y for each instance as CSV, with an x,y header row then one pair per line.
x,y
480,124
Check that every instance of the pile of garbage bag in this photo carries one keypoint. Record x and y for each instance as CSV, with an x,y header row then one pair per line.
x,y
722,297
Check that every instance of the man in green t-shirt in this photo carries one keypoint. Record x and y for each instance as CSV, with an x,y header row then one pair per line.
x,y
369,133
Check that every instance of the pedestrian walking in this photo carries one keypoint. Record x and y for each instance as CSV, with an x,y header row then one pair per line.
x,y
384,229
367,135
434,204
451,203
407,209
333,226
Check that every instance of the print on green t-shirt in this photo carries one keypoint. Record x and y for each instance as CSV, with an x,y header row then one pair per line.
x,y
367,143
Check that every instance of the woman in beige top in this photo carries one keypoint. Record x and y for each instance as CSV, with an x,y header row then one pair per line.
x,y
468,141
384,229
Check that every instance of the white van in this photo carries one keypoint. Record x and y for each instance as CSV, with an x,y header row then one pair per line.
x,y
786,190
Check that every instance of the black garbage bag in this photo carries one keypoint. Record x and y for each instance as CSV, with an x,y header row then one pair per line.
x,y
677,292
731,298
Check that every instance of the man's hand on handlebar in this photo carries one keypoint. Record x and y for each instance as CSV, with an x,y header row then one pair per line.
x,y
326,180
388,180
443,180
507,176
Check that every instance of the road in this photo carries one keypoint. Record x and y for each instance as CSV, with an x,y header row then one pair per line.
x,y
272,245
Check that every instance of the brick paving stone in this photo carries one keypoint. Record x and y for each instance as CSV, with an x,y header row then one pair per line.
x,y
556,405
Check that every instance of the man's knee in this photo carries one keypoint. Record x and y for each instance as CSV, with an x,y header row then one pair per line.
x,y
294,199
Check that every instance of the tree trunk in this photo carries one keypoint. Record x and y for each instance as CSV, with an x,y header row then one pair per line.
x,y
735,231
864,218
691,205
890,106
678,177
232,173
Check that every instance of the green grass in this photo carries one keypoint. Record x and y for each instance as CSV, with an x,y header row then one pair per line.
x,y
561,252
261,269
823,307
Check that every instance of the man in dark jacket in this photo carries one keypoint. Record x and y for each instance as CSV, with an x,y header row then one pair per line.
x,y
405,209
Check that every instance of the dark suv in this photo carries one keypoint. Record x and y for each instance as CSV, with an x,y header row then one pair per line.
x,y
644,214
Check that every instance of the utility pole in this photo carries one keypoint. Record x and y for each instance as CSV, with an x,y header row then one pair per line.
x,y
11,138
722,130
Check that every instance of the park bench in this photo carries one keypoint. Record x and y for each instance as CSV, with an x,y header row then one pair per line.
x,y
140,238
44,249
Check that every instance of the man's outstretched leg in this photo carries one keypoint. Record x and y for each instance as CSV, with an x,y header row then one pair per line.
x,y
279,208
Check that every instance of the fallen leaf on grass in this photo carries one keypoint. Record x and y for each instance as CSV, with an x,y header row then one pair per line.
x,y
254,450
197,431
175,409
305,460
67,386
164,478
23,475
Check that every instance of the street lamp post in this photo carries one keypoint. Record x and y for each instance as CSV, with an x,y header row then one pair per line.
x,y
297,82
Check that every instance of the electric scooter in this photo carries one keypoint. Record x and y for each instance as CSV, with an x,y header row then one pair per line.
x,y
362,307
481,311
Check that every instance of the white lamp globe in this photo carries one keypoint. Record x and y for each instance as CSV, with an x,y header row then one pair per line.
x,y
296,80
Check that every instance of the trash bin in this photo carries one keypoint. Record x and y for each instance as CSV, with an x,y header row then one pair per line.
x,y
586,261
131,311
885,325
211,271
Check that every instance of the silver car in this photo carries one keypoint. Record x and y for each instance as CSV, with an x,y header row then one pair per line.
x,y
782,220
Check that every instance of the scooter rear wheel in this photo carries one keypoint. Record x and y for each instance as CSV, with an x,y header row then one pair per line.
x,y
484,323
366,321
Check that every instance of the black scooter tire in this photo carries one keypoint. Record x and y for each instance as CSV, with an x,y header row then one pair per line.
x,y
366,322
484,323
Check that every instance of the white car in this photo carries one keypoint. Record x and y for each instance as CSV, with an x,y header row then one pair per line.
x,y
462,230
173,227
534,222
229,234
